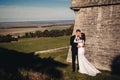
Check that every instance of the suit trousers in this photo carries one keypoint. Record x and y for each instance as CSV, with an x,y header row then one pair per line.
x,y
74,58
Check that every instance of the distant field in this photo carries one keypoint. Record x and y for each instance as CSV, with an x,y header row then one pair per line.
x,y
19,30
36,44
58,27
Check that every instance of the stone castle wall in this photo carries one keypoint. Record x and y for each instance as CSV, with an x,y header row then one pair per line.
x,y
101,25
90,3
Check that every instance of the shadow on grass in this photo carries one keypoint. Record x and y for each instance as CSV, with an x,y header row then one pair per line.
x,y
115,67
12,61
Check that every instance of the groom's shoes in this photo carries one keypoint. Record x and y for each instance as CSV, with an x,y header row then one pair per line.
x,y
75,70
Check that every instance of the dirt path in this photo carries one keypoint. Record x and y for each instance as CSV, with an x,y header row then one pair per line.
x,y
50,50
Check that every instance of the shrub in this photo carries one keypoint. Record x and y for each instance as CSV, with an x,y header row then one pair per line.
x,y
7,38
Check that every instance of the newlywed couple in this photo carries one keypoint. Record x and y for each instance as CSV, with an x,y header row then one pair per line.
x,y
77,43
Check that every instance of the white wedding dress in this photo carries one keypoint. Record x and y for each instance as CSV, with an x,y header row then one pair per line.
x,y
85,67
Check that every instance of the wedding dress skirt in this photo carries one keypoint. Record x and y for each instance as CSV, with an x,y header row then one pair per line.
x,y
85,67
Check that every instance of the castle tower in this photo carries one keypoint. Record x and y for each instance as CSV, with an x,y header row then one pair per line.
x,y
100,21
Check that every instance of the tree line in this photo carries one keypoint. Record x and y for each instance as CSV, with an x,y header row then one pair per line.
x,y
45,33
49,33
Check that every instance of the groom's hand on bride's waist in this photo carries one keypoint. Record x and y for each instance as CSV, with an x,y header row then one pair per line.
x,y
78,46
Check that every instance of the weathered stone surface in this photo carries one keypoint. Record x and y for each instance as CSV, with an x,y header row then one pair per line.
x,y
101,26
92,3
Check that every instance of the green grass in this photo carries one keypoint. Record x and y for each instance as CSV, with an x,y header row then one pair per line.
x,y
36,44
69,75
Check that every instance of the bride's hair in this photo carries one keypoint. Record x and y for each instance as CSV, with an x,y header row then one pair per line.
x,y
83,36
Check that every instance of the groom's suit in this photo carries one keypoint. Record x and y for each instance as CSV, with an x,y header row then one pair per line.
x,y
74,50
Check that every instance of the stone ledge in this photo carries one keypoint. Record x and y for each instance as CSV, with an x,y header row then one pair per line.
x,y
92,3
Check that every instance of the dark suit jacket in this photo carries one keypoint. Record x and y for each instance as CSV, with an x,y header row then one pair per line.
x,y
74,48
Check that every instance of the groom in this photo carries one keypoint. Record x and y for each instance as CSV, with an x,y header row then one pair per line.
x,y
74,49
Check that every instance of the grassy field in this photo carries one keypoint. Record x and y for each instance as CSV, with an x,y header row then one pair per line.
x,y
37,44
17,65
69,75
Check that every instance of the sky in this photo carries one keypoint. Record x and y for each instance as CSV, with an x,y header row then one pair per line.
x,y
35,10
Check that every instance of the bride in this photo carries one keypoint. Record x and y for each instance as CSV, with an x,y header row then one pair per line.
x,y
85,67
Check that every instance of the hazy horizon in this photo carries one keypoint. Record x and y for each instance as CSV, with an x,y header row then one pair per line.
x,y
39,21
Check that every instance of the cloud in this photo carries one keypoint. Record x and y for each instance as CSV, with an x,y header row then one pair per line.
x,y
12,13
